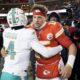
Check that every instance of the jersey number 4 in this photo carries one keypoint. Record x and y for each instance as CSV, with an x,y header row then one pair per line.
x,y
11,49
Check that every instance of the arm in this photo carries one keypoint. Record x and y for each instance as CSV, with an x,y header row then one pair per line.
x,y
72,50
3,52
42,50
67,43
45,52
67,70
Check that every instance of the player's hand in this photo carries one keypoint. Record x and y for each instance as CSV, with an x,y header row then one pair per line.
x,y
66,72
3,52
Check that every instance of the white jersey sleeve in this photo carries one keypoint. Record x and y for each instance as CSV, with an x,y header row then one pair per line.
x,y
42,50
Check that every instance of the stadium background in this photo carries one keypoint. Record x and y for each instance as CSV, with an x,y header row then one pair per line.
x,y
26,5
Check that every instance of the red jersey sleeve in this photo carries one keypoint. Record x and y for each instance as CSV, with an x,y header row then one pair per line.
x,y
60,35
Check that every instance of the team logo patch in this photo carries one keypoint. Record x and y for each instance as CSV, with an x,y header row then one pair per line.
x,y
50,36
46,72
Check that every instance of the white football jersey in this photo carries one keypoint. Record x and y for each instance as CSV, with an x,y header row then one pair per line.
x,y
17,44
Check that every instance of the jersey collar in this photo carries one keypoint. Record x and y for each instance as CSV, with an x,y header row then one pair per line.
x,y
43,25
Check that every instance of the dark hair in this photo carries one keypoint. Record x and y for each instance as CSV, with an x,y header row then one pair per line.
x,y
69,13
54,14
67,22
42,8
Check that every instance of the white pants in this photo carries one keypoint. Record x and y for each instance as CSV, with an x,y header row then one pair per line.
x,y
49,79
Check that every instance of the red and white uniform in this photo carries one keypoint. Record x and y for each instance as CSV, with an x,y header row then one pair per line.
x,y
51,34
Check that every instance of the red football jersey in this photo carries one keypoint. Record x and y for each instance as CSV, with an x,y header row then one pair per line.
x,y
51,35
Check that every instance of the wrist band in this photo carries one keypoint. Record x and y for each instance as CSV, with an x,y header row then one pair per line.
x,y
71,60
